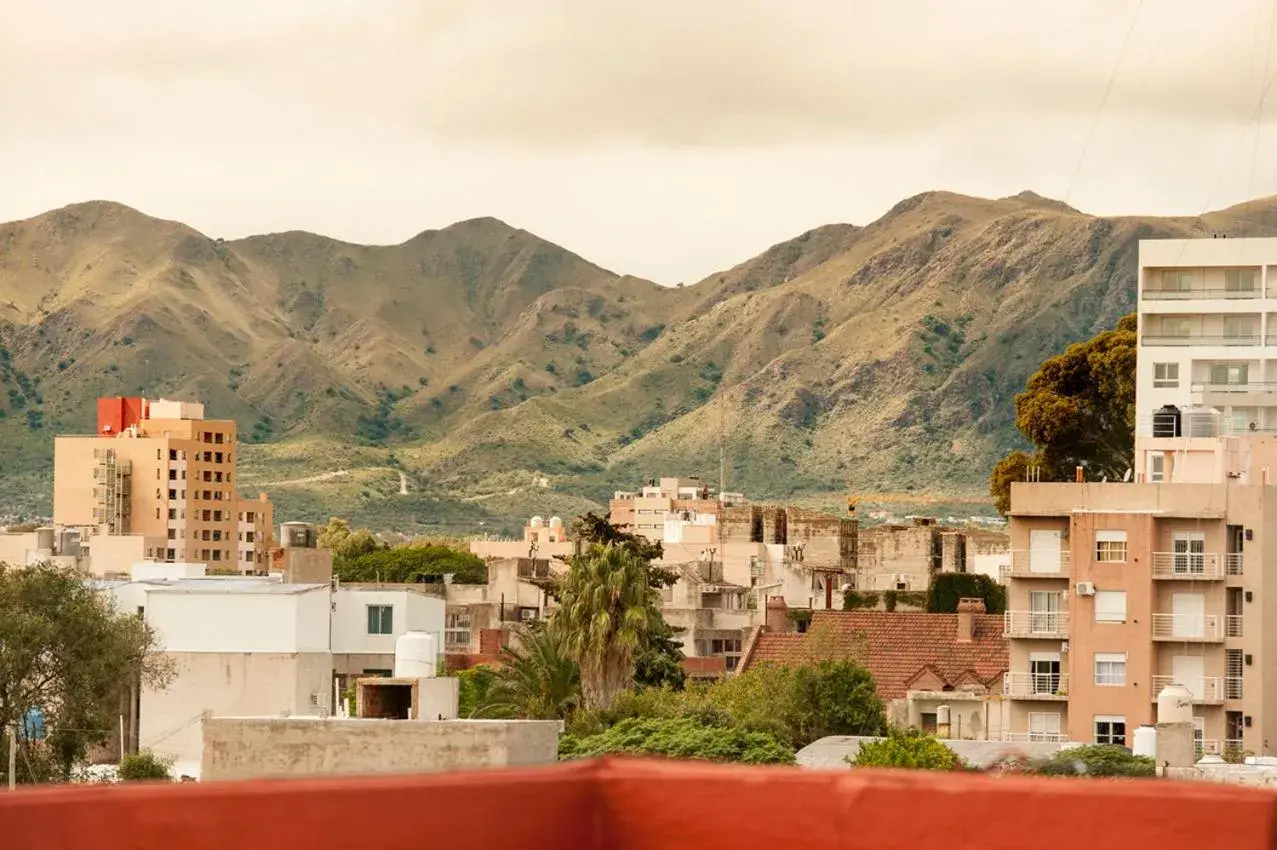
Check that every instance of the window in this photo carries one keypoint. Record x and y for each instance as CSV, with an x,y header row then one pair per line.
x,y
250,517
172,494
172,554
1175,326
217,456
172,454
1239,280
172,534
381,620
379,672
1156,467
249,537
1230,374
1110,668
1110,606
206,476
172,513
1239,326
217,516
1166,374
1110,547
1044,727
217,554
929,722
456,629
1177,281
217,535
1110,729
172,475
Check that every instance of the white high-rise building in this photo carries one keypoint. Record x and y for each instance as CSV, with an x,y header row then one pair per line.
x,y
1207,344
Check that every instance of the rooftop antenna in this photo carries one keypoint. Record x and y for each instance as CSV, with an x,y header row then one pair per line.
x,y
722,467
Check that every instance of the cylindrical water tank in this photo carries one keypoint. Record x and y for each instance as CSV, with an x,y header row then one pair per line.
x,y
44,538
1175,705
556,522
1145,743
537,522
416,655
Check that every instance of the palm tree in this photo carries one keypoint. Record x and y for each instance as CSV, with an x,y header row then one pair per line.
x,y
607,610
538,680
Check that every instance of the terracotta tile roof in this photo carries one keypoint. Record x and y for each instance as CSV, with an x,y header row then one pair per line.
x,y
894,646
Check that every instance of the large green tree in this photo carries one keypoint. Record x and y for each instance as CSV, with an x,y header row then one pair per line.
x,y
608,609
66,652
681,738
1077,409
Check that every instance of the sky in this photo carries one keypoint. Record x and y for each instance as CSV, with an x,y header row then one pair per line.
x,y
666,139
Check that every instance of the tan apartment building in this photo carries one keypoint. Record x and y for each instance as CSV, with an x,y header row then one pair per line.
x,y
672,510
1119,589
158,482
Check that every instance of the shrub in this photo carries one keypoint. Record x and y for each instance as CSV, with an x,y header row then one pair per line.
x,y
948,588
1095,760
909,749
144,766
682,738
853,600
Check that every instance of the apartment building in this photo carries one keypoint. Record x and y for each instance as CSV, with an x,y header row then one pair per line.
x,y
1119,589
161,478
672,510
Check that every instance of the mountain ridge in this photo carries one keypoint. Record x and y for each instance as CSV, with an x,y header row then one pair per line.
x,y
478,357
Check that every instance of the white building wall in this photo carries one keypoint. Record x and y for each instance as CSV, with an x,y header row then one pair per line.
x,y
412,611
238,621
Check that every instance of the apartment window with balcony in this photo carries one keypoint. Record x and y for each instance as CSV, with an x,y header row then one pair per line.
x,y
1177,281
1240,280
1166,375
172,454
250,537
1239,327
172,534
171,554
1110,606
172,494
1110,547
1110,668
381,620
172,475
250,517
1234,662
172,513
1231,374
1156,467
1110,729
1176,326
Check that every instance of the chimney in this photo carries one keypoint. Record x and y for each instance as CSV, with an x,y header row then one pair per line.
x,y
967,610
777,614
490,641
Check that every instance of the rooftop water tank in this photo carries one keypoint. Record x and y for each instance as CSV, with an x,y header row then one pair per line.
x,y
556,522
416,655
536,522
1175,705
297,535
1145,743
1166,421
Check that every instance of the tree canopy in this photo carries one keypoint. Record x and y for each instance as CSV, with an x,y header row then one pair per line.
x,y
1077,409
681,737
67,653
948,588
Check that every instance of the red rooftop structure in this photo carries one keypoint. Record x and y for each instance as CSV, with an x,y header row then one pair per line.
x,y
643,805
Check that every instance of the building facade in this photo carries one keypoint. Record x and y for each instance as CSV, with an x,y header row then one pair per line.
x,y
163,476
1117,590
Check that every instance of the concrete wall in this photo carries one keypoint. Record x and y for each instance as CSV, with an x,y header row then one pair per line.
x,y
255,683
234,621
244,748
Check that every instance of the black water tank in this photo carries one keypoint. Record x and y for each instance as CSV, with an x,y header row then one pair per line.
x,y
1166,421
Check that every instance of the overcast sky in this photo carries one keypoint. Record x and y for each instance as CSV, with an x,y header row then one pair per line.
x,y
663,138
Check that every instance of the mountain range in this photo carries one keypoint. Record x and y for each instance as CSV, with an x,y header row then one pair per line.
x,y
473,375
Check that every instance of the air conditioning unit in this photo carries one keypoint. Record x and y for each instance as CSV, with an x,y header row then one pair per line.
x,y
1085,588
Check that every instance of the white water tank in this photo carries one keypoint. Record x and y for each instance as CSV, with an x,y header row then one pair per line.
x,y
1145,743
416,655
1175,705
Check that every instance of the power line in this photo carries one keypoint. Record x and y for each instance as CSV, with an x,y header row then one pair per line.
x,y
1108,90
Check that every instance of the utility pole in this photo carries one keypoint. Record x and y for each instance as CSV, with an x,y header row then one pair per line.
x,y
13,757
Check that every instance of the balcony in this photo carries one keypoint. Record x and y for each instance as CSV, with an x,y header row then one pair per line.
x,y
1036,624
1036,686
1192,566
1219,748
1198,294
1189,628
1201,339
1233,563
1035,737
1038,563
1233,625
1207,690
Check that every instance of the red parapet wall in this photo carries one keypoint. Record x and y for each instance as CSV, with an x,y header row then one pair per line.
x,y
116,414
644,805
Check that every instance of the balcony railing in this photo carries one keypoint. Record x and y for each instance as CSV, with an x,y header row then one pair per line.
x,y
1201,339
1044,624
1038,563
1207,689
1233,625
1199,566
1233,563
1188,627
1244,387
1197,294
1218,748
1036,685
1232,687
1035,737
